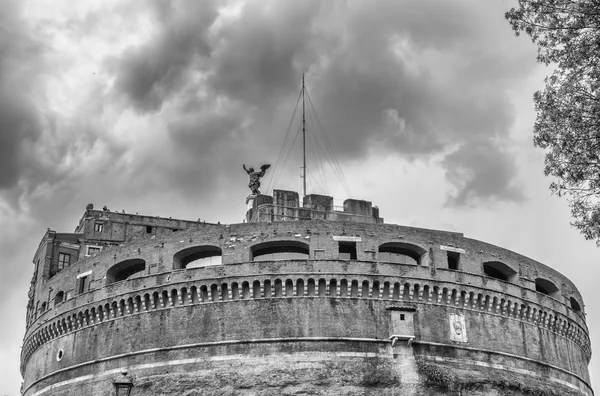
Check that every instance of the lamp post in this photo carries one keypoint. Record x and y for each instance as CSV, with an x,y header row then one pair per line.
x,y
123,385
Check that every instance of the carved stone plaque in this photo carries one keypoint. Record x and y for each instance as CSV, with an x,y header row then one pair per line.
x,y
458,328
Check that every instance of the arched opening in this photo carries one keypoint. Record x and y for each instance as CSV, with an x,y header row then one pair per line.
x,y
127,269
197,256
279,250
498,270
310,288
289,288
545,286
401,253
575,305
256,289
300,288
267,288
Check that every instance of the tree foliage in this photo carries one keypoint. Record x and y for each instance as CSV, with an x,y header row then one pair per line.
x,y
567,34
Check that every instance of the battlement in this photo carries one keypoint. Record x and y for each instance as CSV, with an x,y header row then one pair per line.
x,y
285,206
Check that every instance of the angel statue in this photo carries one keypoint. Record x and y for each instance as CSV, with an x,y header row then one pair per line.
x,y
255,177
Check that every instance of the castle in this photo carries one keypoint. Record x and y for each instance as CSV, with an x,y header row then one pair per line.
x,y
301,298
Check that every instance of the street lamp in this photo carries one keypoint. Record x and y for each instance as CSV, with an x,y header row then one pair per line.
x,y
123,385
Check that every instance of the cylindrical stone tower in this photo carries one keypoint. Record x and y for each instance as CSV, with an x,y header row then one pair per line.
x,y
298,300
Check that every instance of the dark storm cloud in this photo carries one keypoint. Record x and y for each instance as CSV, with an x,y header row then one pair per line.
x,y
150,73
415,78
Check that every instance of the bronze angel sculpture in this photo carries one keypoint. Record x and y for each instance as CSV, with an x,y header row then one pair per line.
x,y
255,177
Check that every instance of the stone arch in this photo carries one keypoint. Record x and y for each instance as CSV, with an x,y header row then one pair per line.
x,y
278,288
344,291
126,269
401,253
194,295
322,287
256,289
203,295
214,292
333,286
310,287
164,299
376,290
184,296
245,290
197,256
386,291
364,290
289,288
354,288
546,286
499,270
235,291
280,250
300,287
224,292
268,288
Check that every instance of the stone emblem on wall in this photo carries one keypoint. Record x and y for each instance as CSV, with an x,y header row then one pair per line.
x,y
458,329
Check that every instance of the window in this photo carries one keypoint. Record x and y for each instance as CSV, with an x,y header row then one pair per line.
x,y
498,270
59,298
92,250
98,227
575,305
197,256
401,253
64,260
347,250
84,284
453,260
125,270
280,250
148,229
546,287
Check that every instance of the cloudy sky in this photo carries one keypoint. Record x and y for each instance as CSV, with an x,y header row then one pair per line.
x,y
153,106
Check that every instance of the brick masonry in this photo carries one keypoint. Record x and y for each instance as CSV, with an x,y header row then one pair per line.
x,y
304,318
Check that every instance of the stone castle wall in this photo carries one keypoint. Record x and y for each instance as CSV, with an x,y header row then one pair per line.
x,y
319,325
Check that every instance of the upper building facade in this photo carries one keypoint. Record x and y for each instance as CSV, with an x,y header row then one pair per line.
x,y
298,296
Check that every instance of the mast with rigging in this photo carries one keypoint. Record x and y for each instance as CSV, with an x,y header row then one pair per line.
x,y
303,142
320,147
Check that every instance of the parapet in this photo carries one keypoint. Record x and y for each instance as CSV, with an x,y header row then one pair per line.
x,y
285,206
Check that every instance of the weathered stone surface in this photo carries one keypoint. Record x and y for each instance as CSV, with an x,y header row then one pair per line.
x,y
320,325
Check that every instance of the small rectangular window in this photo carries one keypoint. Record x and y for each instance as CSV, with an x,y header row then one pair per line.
x,y
347,251
148,229
453,260
98,227
84,284
64,260
401,316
